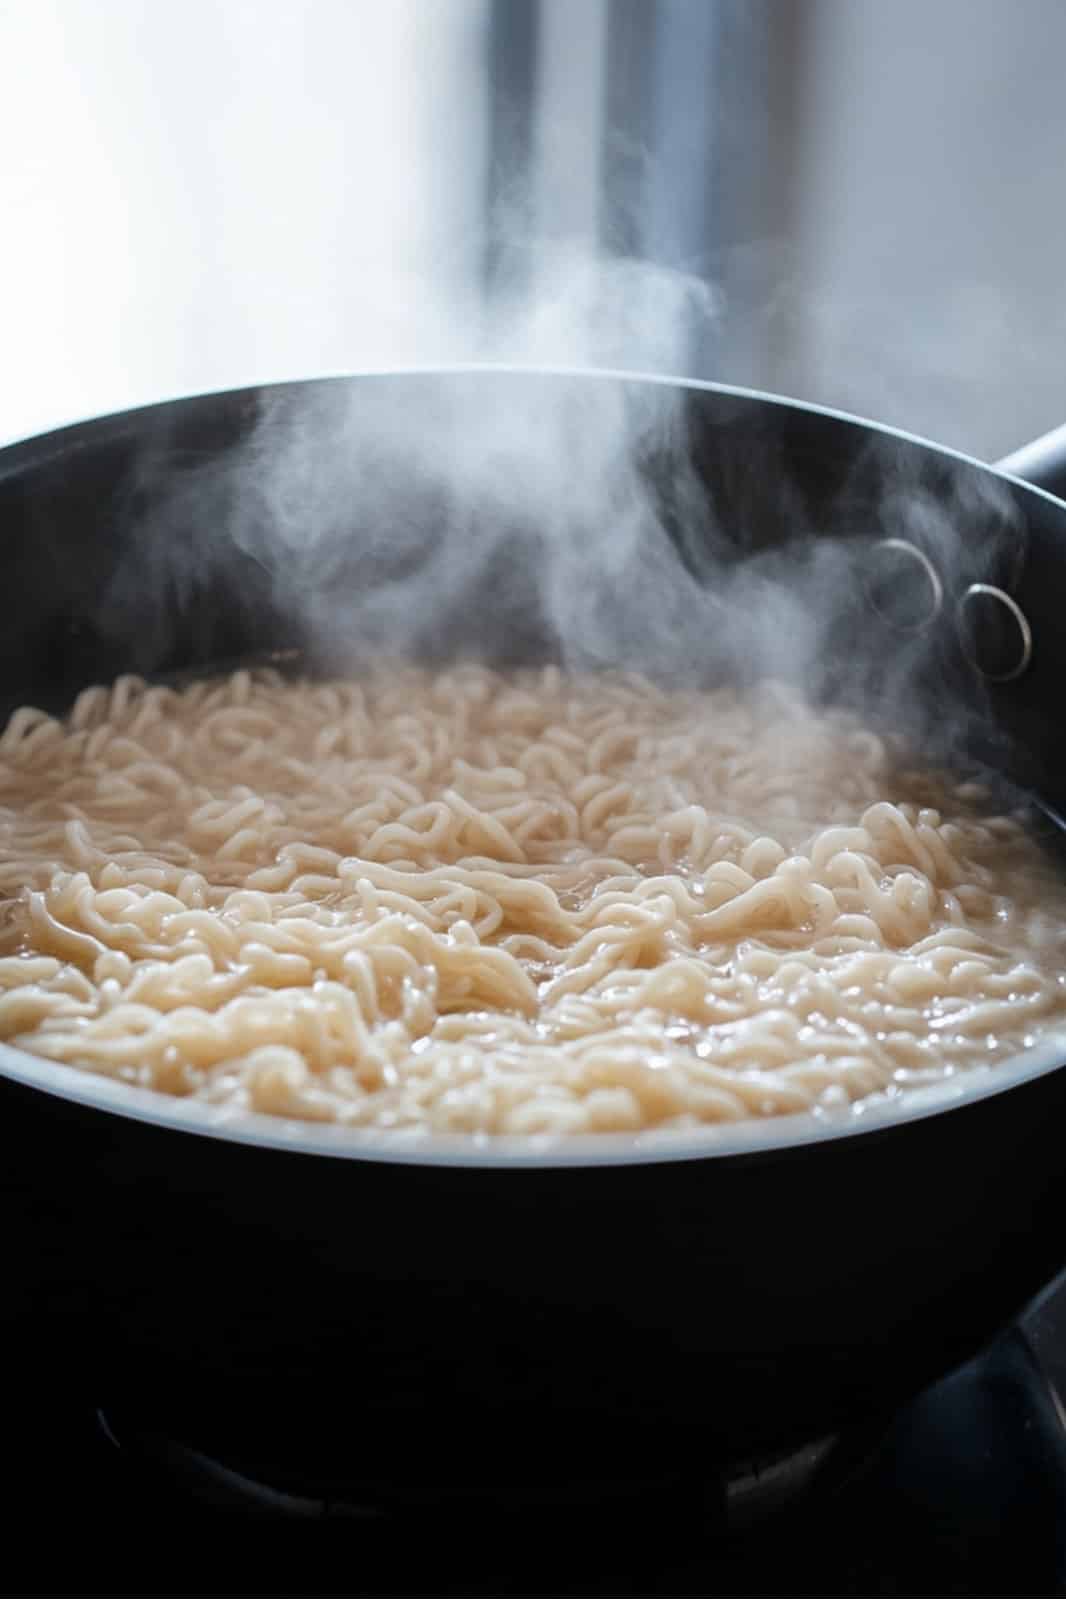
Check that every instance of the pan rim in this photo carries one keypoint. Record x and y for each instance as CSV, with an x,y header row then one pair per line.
x,y
11,449
804,1131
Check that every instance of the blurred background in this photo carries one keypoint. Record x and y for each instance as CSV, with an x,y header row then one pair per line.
x,y
216,192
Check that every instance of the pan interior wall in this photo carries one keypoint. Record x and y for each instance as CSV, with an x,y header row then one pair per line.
x,y
121,555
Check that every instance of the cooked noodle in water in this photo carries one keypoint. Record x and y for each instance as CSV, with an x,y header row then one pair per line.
x,y
469,902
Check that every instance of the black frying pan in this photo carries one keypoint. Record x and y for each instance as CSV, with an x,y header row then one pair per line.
x,y
262,1288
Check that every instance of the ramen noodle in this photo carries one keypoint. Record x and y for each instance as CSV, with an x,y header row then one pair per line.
x,y
479,903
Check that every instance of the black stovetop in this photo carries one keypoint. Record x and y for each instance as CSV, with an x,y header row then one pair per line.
x,y
962,1493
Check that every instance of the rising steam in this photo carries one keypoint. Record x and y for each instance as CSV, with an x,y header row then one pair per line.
x,y
609,523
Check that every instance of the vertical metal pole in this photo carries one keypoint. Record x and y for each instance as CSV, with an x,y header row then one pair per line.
x,y
512,52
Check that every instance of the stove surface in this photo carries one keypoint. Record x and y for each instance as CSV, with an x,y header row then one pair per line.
x,y
964,1493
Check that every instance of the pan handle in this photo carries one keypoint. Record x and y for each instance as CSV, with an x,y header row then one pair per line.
x,y
1041,463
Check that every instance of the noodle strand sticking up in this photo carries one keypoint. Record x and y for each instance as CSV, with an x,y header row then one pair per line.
x,y
526,904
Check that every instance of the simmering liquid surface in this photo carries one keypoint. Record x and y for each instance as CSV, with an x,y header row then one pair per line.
x,y
465,902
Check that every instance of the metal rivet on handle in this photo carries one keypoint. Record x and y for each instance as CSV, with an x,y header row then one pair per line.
x,y
903,586
994,632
